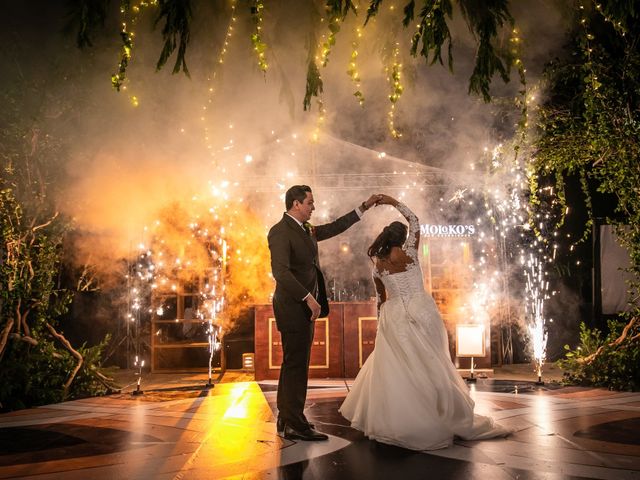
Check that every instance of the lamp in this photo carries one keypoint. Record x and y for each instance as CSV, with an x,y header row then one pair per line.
x,y
470,343
248,362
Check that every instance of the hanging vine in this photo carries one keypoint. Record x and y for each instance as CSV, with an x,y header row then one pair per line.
x,y
259,46
484,20
352,70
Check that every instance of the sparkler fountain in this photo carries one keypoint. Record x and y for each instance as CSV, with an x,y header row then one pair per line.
x,y
507,214
536,293
193,278
213,305
138,363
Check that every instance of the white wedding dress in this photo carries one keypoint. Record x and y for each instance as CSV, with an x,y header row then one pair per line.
x,y
408,392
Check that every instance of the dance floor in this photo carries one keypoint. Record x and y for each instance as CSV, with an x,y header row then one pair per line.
x,y
191,432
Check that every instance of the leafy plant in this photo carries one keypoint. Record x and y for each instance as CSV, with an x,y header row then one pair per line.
x,y
611,361
484,19
589,129
38,365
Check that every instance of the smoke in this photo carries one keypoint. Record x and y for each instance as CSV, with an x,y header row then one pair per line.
x,y
211,250
233,137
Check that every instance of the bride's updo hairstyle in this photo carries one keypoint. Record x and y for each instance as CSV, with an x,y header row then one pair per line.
x,y
393,235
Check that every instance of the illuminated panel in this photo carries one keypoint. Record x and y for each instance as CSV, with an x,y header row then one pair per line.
x,y
275,345
319,348
366,337
470,340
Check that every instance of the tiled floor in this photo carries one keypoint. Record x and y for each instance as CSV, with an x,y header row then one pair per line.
x,y
190,432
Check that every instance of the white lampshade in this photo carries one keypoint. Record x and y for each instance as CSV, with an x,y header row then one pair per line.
x,y
470,340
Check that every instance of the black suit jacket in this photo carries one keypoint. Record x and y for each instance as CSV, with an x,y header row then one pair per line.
x,y
296,269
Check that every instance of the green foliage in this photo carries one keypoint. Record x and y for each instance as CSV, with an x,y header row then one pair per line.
x,y
615,367
591,124
118,78
340,8
314,84
372,11
35,364
433,30
34,368
28,271
175,33
35,375
484,18
84,16
590,130
257,7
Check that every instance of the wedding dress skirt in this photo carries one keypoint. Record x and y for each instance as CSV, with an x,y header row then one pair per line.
x,y
408,393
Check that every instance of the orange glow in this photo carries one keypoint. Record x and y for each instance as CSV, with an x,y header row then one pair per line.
x,y
240,401
217,250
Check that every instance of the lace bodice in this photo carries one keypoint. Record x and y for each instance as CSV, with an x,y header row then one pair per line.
x,y
408,280
403,284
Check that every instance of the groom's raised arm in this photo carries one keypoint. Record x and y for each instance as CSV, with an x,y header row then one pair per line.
x,y
281,264
323,232
328,230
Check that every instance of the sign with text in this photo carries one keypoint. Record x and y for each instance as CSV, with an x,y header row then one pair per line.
x,y
431,230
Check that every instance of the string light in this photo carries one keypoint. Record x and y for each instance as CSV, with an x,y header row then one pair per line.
x,y
256,38
129,14
394,73
326,46
592,77
211,86
352,71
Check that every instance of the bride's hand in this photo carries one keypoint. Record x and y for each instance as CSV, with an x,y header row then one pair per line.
x,y
372,201
386,200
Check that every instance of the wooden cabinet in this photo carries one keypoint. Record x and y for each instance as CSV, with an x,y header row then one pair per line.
x,y
341,343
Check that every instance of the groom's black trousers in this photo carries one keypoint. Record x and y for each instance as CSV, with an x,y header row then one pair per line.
x,y
294,376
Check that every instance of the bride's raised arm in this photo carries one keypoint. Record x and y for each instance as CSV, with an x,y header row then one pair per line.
x,y
413,237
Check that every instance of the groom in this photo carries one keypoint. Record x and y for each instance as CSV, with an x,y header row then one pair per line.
x,y
299,299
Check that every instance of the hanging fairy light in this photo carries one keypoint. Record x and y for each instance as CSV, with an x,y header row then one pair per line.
x,y
211,79
129,14
259,47
352,71
394,74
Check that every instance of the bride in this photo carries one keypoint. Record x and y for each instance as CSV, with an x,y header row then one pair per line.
x,y
408,393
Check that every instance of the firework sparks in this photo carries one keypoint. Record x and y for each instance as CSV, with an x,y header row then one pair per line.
x,y
536,294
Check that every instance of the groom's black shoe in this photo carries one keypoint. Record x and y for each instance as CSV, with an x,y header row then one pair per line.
x,y
280,426
307,434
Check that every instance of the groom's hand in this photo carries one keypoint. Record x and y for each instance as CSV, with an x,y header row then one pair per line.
x,y
313,304
371,201
386,200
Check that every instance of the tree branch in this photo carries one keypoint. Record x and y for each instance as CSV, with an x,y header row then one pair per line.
x,y
106,381
38,227
615,343
5,335
24,338
23,321
74,352
18,316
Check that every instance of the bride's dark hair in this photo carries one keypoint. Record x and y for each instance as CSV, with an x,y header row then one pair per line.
x,y
393,235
